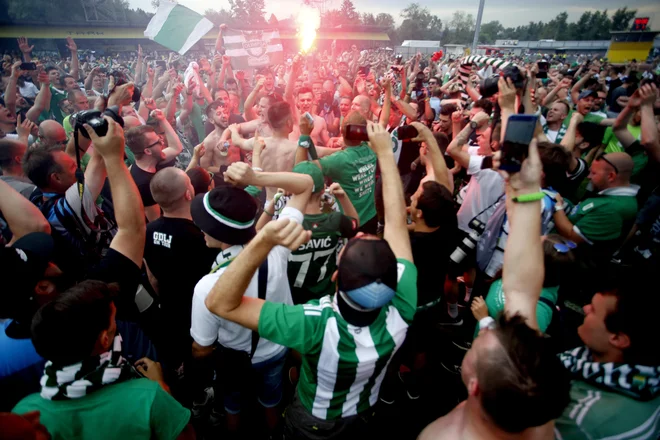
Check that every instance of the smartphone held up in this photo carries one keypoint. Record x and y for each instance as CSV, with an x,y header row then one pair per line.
x,y
519,133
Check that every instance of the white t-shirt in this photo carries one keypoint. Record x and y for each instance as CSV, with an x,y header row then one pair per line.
x,y
485,187
29,90
206,327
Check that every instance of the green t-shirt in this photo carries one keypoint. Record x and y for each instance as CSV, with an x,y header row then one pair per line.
x,y
607,216
135,409
594,413
355,170
590,117
197,121
342,365
311,265
495,303
612,144
55,97
68,129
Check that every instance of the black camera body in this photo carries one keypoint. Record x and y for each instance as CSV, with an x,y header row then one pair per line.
x,y
488,86
94,119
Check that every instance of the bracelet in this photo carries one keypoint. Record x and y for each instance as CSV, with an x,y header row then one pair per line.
x,y
533,197
558,207
487,322
268,213
257,169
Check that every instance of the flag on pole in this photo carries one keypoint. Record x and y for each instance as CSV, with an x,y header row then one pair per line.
x,y
255,48
177,27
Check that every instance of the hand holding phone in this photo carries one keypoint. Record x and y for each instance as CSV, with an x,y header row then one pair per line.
x,y
519,134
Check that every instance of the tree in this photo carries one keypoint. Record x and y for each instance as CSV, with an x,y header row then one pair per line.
x,y
461,28
250,12
219,17
490,32
621,19
368,19
348,13
419,24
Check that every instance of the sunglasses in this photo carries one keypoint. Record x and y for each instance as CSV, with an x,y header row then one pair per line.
x,y
565,247
154,144
602,157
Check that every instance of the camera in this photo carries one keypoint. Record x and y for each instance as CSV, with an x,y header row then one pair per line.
x,y
488,86
94,119
469,243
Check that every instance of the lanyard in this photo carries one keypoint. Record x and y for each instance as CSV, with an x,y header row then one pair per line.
x,y
225,257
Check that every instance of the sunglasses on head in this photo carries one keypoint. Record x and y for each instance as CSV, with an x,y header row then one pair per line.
x,y
565,247
603,157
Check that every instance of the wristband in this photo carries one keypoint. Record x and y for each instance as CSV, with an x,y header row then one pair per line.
x,y
257,169
558,207
268,213
487,322
533,197
304,141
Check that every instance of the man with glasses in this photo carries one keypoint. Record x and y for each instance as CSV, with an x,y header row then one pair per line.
x,y
150,150
602,221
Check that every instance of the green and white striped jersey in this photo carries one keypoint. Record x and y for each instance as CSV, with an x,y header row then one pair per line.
x,y
343,365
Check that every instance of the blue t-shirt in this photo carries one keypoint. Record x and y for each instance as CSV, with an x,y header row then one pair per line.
x,y
21,368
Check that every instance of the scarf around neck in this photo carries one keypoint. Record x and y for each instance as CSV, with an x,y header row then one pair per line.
x,y
640,382
78,380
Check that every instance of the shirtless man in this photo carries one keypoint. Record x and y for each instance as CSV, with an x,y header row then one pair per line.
x,y
217,154
305,104
279,151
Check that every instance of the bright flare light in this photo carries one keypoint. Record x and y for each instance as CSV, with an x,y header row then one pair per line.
x,y
308,20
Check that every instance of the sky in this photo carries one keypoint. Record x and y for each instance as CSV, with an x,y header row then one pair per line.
x,y
509,13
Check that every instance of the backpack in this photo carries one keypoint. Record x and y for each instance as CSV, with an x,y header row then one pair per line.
x,y
86,247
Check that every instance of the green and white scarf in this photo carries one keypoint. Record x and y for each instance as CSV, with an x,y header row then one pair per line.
x,y
560,133
641,382
78,380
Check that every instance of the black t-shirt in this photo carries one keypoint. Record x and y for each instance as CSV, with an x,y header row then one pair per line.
x,y
177,256
431,251
115,267
142,180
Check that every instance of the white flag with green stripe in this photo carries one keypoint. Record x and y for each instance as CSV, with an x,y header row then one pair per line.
x,y
253,48
177,27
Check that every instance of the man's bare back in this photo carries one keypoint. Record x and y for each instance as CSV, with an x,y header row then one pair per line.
x,y
217,154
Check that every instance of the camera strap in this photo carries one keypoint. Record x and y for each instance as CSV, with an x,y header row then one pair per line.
x,y
500,198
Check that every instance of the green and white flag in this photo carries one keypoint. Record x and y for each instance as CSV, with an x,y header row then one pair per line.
x,y
253,48
177,27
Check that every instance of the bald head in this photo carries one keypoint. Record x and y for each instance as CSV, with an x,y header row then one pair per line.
x,y
353,118
623,163
51,132
171,189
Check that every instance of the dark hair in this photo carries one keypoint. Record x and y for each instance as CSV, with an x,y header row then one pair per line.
x,y
556,161
278,114
521,380
447,110
557,264
215,104
65,330
634,318
565,103
442,140
39,164
135,139
63,79
485,105
8,150
437,205
230,81
51,68
200,179
305,89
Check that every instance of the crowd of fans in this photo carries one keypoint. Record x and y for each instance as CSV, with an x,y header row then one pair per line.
x,y
287,252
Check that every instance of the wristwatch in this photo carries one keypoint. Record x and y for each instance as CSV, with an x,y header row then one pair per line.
x,y
473,125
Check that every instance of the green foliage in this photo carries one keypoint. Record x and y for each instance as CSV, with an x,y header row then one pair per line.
x,y
250,12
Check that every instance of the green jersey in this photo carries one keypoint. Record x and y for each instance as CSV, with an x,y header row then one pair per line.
x,y
355,170
612,144
343,365
311,266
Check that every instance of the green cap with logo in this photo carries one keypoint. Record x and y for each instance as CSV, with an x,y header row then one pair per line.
x,y
311,169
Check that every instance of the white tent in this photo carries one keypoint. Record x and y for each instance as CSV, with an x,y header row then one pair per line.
x,y
421,43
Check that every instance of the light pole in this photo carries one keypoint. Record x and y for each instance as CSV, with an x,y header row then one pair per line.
x,y
478,26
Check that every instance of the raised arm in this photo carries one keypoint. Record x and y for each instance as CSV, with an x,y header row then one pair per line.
x,y
129,210
174,146
435,156
187,104
22,216
530,89
405,108
25,48
523,270
550,97
252,97
396,232
10,90
568,141
648,94
577,88
620,127
42,101
75,63
148,89
218,40
300,185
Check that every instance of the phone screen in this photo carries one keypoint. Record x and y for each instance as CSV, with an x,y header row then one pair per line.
x,y
28,66
519,133
356,132
543,70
